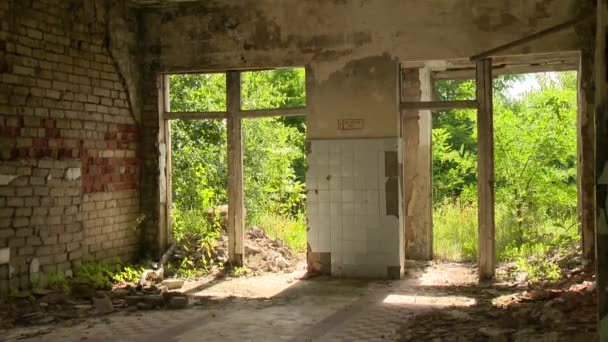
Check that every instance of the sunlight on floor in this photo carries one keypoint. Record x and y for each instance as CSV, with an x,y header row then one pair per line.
x,y
409,299
253,287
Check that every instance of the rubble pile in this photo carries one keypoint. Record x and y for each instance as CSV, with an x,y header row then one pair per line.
x,y
262,253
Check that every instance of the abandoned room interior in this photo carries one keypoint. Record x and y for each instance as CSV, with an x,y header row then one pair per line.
x,y
249,170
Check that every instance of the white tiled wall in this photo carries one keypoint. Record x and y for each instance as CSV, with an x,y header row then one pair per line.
x,y
347,206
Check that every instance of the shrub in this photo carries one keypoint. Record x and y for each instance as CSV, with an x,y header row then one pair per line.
x,y
196,237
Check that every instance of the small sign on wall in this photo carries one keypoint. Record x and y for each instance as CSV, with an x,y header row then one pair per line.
x,y
350,124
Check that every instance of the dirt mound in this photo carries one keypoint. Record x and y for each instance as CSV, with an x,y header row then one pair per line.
x,y
262,253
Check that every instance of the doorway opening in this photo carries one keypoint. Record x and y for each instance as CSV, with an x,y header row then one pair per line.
x,y
535,144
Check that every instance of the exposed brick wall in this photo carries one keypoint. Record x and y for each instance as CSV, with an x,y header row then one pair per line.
x,y
70,170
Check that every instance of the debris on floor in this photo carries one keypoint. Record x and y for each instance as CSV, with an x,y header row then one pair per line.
x,y
559,311
437,302
82,300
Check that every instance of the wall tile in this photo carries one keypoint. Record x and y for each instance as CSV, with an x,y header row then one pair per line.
x,y
349,206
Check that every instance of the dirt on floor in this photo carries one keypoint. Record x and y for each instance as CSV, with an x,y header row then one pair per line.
x,y
563,310
434,302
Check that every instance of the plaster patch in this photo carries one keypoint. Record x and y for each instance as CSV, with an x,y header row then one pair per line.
x,y
72,174
5,255
6,179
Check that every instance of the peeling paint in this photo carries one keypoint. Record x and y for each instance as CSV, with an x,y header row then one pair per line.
x,y
72,174
258,33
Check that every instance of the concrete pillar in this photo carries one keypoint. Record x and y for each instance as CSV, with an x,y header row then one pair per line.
x,y
417,129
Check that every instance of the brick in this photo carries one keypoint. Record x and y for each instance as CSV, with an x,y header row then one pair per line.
x,y
38,181
54,220
26,250
56,211
34,241
23,212
23,50
15,202
6,212
21,70
24,171
20,222
55,94
17,242
33,201
7,192
75,255
60,257
38,220
25,192
6,232
30,121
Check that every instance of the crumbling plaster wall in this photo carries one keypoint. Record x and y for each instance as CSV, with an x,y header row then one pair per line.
x,y
329,36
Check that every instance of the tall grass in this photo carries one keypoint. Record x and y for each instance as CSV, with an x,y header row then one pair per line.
x,y
291,230
455,233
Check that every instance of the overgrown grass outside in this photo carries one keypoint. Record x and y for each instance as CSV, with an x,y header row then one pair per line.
x,y
455,238
287,228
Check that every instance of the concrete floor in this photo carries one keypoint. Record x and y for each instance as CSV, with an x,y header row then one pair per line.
x,y
297,310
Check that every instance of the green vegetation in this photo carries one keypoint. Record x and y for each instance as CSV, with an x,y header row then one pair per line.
x,y
57,281
196,236
103,275
535,166
274,160
289,230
